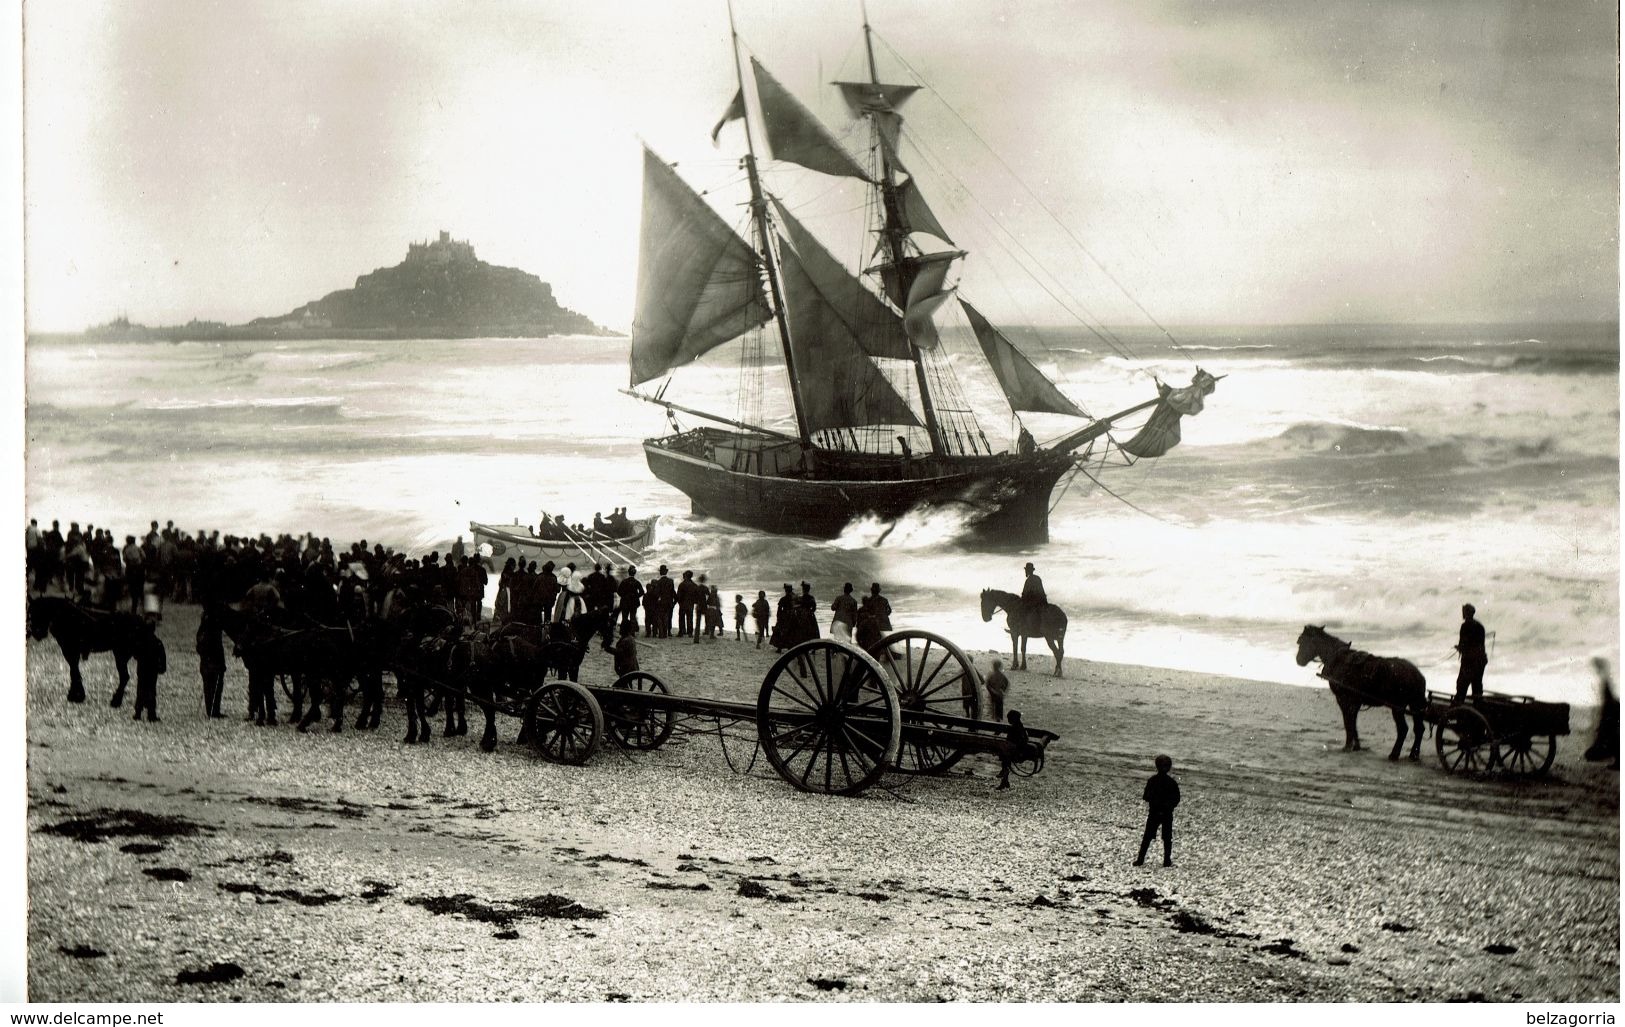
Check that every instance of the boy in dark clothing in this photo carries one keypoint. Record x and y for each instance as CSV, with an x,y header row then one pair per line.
x,y
149,663
739,618
626,651
1162,794
760,611
1020,748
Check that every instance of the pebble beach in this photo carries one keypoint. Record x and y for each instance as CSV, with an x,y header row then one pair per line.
x,y
199,860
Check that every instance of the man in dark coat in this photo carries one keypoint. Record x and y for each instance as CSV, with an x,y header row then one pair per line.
x,y
688,595
1474,658
150,662
598,589
211,662
665,601
631,591
1033,600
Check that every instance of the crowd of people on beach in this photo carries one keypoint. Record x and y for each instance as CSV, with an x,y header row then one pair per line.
x,y
289,581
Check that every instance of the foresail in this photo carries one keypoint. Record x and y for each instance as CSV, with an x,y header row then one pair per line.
x,y
1024,385
874,326
840,386
795,134
698,281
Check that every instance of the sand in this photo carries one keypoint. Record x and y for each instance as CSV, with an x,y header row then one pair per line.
x,y
270,865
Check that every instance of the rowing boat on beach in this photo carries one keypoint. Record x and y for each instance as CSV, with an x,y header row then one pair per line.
x,y
520,542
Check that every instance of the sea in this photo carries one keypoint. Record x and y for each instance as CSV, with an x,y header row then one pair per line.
x,y
1370,479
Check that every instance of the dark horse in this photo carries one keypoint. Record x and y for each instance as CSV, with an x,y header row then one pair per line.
x,y
1018,621
1359,680
313,656
82,630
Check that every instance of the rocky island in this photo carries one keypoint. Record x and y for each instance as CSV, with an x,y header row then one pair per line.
x,y
442,290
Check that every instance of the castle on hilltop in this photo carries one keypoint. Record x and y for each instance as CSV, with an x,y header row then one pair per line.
x,y
444,250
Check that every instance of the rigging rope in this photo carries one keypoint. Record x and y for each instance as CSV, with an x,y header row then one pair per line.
x,y
1036,198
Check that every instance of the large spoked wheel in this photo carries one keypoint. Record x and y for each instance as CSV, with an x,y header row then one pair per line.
x,y
1464,741
932,676
1528,755
828,718
565,723
633,723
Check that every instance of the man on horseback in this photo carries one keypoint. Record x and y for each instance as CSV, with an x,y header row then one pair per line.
x,y
1033,600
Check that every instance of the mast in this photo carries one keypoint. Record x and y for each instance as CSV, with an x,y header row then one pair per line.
x,y
892,229
758,210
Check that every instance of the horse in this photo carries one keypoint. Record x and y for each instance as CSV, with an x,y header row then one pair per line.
x,y
1359,679
312,655
80,631
1051,626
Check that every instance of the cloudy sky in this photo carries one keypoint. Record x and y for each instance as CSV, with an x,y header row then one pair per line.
x,y
1244,161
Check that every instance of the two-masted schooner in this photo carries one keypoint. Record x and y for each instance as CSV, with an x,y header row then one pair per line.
x,y
701,284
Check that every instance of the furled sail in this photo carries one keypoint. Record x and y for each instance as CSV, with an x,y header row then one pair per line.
x,y
1161,431
1024,385
795,134
877,330
840,386
698,281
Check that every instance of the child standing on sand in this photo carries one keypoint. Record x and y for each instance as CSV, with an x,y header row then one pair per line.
x,y
760,611
150,662
739,618
1162,795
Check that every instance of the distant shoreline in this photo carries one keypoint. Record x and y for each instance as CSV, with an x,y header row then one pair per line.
x,y
182,333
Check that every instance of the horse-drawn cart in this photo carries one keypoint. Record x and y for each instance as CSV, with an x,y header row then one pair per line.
x,y
830,717
1513,732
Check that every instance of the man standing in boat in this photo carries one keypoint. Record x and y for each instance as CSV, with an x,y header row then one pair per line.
x,y
1033,599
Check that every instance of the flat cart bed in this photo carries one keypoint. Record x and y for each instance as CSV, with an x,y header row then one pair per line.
x,y
1515,733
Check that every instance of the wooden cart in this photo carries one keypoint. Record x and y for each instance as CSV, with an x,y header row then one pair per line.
x,y
830,717
1512,732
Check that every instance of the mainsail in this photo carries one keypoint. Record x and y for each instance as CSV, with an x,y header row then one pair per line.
x,y
840,386
873,325
698,282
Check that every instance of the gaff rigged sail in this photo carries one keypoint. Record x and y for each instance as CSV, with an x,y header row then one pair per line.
x,y
840,386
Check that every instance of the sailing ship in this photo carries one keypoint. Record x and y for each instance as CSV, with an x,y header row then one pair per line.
x,y
882,425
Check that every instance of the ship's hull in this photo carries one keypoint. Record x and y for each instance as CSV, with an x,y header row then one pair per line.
x,y
1005,498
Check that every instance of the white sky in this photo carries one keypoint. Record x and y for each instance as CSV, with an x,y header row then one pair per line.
x,y
1246,161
